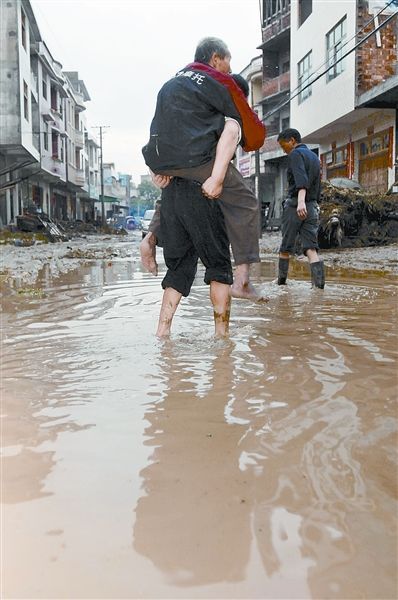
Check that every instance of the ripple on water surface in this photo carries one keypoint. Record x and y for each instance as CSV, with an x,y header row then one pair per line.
x,y
138,464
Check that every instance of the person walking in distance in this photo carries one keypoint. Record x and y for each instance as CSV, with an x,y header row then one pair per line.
x,y
300,209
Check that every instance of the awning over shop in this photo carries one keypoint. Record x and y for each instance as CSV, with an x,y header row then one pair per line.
x,y
110,199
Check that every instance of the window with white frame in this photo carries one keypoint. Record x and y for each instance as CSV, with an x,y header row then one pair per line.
x,y
334,49
304,74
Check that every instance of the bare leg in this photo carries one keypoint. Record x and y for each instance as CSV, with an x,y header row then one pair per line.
x,y
148,253
220,297
312,256
170,302
242,287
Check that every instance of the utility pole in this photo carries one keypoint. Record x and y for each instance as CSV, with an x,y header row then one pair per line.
x,y
101,127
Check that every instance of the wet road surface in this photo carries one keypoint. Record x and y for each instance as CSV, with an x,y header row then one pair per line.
x,y
263,466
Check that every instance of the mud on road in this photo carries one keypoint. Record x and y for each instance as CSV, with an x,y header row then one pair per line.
x,y
22,265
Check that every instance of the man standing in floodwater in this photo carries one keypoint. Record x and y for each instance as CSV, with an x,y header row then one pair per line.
x,y
300,209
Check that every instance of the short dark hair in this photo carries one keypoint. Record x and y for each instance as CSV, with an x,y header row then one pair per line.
x,y
242,83
289,133
207,47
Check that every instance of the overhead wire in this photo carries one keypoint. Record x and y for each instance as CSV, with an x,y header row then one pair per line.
x,y
361,30
293,94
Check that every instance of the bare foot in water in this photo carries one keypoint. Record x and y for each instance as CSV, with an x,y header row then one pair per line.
x,y
148,253
247,291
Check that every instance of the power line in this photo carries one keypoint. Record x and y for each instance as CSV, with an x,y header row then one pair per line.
x,y
362,29
298,90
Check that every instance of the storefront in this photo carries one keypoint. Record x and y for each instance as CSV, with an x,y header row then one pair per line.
x,y
375,159
338,162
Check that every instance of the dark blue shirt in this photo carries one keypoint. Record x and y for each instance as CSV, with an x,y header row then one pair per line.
x,y
304,171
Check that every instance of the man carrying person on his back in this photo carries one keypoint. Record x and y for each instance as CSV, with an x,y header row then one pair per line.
x,y
300,209
193,227
189,119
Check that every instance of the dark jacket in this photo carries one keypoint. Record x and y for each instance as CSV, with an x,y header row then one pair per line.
x,y
188,121
304,171
253,130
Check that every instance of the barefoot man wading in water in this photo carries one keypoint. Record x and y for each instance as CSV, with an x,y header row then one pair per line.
x,y
188,122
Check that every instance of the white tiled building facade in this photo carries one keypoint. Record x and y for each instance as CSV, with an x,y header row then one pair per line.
x,y
356,139
348,114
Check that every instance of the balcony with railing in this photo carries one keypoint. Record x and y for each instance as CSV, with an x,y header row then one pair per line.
x,y
79,139
80,102
271,146
276,19
77,177
276,85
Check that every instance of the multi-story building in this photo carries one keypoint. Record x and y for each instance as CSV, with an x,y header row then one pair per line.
x,y
116,190
48,160
345,86
50,184
246,161
275,19
19,113
93,176
81,149
268,76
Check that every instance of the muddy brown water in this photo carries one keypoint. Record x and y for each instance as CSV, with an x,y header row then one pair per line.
x,y
263,466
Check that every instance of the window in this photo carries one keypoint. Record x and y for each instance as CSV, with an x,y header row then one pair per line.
x,y
379,142
285,123
286,66
25,101
272,9
54,143
45,137
304,10
304,73
23,28
334,49
54,98
44,88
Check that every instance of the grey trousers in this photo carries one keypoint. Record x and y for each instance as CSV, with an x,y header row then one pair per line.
x,y
239,206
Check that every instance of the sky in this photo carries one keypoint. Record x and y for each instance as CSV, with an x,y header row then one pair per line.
x,y
124,50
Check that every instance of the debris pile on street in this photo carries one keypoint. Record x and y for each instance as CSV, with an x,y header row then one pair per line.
x,y
78,228
92,253
41,223
353,218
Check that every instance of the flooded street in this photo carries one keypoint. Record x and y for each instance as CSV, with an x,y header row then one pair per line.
x,y
262,466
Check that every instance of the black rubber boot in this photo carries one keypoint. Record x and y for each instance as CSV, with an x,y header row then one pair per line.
x,y
283,268
318,274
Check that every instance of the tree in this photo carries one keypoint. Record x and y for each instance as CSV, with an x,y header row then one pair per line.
x,y
138,206
149,192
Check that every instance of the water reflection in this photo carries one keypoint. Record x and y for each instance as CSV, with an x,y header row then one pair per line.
x,y
256,452
263,466
194,520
